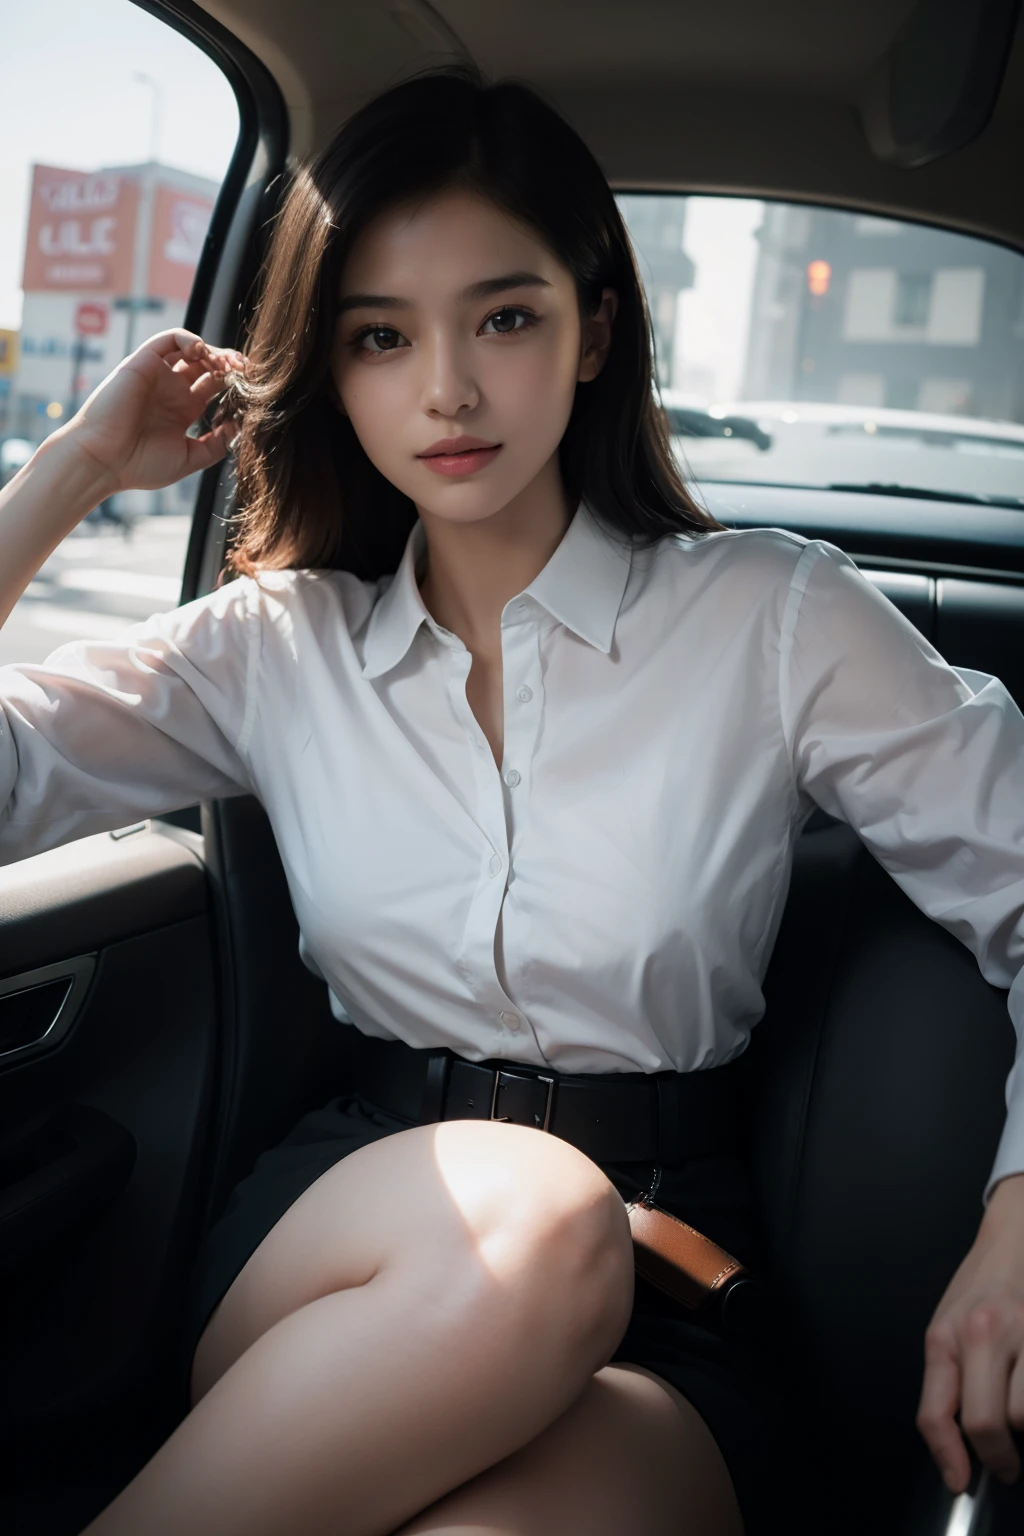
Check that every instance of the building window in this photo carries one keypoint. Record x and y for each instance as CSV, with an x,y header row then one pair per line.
x,y
869,302
956,307
913,296
861,389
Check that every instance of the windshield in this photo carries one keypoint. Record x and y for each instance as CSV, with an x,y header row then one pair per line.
x,y
808,346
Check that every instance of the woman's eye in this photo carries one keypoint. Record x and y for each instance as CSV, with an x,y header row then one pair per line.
x,y
382,335
504,320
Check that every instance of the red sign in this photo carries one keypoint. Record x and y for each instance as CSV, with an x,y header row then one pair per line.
x,y
81,231
91,319
180,222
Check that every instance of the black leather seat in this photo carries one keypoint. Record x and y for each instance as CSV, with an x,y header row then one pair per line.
x,y
877,1079
879,1072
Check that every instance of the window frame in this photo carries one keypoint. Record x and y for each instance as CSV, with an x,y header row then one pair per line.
x,y
222,289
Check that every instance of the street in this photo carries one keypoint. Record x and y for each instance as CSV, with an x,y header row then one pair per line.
x,y
95,584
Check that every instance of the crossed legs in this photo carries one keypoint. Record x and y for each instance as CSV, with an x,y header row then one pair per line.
x,y
424,1335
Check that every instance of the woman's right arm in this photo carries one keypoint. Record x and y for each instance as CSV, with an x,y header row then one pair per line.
x,y
129,434
105,732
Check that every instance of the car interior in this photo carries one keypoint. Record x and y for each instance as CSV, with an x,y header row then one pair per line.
x,y
157,1028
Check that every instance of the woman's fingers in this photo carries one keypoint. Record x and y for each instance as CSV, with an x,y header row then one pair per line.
x,y
984,1402
185,343
210,448
1015,1399
181,349
205,389
940,1396
975,1367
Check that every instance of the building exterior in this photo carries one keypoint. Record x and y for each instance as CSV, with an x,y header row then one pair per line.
x,y
8,366
854,309
656,226
109,259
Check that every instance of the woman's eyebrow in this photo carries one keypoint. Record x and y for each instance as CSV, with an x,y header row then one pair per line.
x,y
481,290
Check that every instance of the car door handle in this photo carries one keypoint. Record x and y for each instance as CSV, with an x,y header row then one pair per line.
x,y
57,1180
38,1007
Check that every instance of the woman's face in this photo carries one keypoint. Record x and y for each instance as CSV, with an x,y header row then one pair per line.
x,y
458,322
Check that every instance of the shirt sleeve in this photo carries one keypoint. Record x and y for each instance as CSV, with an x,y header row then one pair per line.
x,y
924,760
105,732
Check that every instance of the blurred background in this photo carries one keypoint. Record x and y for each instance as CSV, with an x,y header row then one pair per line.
x,y
115,136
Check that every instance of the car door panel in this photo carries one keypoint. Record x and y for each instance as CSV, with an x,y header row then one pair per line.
x,y
102,1126
101,888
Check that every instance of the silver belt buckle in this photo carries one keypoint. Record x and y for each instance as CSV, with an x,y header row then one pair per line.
x,y
540,1121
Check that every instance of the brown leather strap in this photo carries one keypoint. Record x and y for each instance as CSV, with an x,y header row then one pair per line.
x,y
676,1258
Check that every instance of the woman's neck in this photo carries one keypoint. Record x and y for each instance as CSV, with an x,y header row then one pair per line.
x,y
474,568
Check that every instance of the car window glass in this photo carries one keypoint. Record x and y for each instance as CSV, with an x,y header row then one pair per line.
x,y
115,134
807,346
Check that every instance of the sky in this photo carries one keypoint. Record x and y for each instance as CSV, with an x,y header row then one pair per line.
x,y
69,99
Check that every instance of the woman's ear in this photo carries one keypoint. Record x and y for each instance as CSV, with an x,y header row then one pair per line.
x,y
597,336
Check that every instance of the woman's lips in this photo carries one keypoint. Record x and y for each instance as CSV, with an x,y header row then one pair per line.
x,y
461,463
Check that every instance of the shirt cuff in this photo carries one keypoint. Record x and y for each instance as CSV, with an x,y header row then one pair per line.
x,y
1010,1153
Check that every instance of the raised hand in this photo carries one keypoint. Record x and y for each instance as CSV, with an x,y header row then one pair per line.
x,y
133,426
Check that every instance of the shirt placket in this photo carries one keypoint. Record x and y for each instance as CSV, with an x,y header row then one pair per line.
x,y
501,800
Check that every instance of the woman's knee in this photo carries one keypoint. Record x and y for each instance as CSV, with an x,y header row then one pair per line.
x,y
510,1221
545,1227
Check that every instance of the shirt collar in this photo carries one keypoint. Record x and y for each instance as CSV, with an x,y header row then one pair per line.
x,y
581,586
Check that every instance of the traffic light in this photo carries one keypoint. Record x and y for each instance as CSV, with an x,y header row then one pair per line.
x,y
818,276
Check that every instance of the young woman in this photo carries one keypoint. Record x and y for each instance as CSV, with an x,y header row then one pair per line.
x,y
535,735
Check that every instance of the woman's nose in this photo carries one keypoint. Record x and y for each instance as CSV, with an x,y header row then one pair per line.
x,y
448,384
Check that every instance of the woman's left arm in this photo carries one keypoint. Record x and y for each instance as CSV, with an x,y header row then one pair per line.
x,y
926,763
974,1349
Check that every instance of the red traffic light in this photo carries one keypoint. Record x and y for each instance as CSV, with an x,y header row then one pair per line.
x,y
818,276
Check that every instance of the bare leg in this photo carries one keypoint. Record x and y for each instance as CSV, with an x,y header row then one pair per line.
x,y
629,1455
427,1307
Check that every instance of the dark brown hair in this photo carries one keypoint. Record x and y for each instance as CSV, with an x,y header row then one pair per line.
x,y
308,494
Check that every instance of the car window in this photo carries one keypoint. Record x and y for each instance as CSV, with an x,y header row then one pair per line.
x,y
798,345
115,134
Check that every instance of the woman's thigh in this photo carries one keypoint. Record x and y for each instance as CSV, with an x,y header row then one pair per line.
x,y
630,1454
490,1201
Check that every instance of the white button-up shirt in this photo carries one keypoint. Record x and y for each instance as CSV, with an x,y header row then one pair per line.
x,y
609,898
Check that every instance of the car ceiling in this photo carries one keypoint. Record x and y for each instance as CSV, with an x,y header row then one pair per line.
x,y
798,99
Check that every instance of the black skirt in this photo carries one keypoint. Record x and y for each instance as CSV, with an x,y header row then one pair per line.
x,y
737,1389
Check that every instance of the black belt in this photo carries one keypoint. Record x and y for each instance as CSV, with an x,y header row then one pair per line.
x,y
616,1117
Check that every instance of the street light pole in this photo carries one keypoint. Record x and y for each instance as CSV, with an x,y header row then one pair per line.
x,y
138,299
156,113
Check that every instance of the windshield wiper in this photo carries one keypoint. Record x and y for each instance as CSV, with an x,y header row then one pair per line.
x,y
923,493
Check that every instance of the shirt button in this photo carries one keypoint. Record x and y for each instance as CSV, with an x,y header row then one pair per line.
x,y
524,694
512,778
495,865
511,1020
